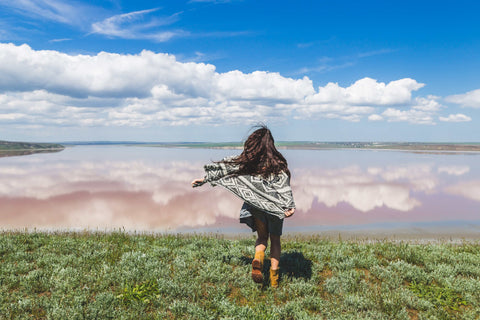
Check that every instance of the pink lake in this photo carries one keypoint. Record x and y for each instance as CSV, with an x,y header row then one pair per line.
x,y
148,189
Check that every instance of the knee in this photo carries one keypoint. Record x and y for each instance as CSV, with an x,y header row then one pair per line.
x,y
263,238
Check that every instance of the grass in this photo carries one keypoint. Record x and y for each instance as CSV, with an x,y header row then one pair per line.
x,y
122,276
22,146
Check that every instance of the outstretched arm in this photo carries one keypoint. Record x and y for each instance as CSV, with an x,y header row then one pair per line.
x,y
213,172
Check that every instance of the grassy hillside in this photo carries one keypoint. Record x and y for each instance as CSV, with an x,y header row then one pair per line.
x,y
22,146
120,276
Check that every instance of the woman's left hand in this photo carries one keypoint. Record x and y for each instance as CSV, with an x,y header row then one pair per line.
x,y
289,212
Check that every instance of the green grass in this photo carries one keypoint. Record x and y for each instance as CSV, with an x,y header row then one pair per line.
x,y
22,146
121,276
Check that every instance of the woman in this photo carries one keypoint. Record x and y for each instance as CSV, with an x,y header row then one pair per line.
x,y
259,176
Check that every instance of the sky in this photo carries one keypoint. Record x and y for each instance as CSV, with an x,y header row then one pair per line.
x,y
208,70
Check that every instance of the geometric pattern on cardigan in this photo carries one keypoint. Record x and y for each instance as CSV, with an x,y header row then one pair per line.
x,y
272,195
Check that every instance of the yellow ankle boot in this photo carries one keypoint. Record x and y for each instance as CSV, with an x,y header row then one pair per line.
x,y
257,266
274,278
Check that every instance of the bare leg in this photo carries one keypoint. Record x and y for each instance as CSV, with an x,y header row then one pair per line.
x,y
262,235
275,251
260,246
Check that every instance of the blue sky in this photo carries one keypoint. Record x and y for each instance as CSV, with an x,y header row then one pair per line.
x,y
208,70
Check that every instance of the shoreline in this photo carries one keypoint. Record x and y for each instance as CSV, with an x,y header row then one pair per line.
x,y
427,147
420,148
27,152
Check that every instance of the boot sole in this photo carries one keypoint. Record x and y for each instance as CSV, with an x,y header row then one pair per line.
x,y
257,274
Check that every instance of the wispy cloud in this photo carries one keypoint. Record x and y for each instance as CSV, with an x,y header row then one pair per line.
x,y
198,56
326,67
213,1
326,64
147,24
309,44
374,53
305,45
138,25
3,34
60,40
143,25
72,13
221,34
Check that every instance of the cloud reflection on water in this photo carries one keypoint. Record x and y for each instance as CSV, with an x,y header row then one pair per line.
x,y
109,194
467,189
454,170
362,190
142,194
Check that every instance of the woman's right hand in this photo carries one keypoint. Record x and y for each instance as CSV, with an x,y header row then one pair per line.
x,y
198,182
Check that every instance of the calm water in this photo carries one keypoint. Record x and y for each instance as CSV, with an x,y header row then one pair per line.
x,y
148,189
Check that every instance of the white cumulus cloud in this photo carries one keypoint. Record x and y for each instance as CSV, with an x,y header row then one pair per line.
x,y
50,88
375,117
422,111
470,99
367,92
357,100
455,118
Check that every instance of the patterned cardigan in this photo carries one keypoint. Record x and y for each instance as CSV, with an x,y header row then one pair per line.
x,y
272,195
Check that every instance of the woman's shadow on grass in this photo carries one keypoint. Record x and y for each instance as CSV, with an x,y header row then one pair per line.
x,y
292,265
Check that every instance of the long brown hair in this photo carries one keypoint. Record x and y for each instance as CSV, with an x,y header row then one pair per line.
x,y
259,156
